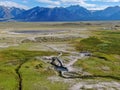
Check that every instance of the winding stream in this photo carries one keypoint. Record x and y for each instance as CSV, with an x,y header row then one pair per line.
x,y
68,69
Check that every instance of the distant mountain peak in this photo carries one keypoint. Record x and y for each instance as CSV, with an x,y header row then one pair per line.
x,y
113,7
76,7
9,12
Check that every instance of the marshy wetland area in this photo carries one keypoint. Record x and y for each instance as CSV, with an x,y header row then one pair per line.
x,y
60,55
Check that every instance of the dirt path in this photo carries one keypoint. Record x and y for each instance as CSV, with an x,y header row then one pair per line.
x,y
70,64
112,85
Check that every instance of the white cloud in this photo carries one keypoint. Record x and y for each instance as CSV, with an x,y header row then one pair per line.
x,y
12,4
77,2
84,3
98,7
65,3
101,7
50,2
25,1
107,0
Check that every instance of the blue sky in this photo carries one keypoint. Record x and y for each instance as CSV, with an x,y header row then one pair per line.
x,y
89,4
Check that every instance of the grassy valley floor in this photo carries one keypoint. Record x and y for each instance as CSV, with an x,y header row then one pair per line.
x,y
24,45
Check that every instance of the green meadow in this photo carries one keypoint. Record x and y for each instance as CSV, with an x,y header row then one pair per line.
x,y
105,59
23,68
